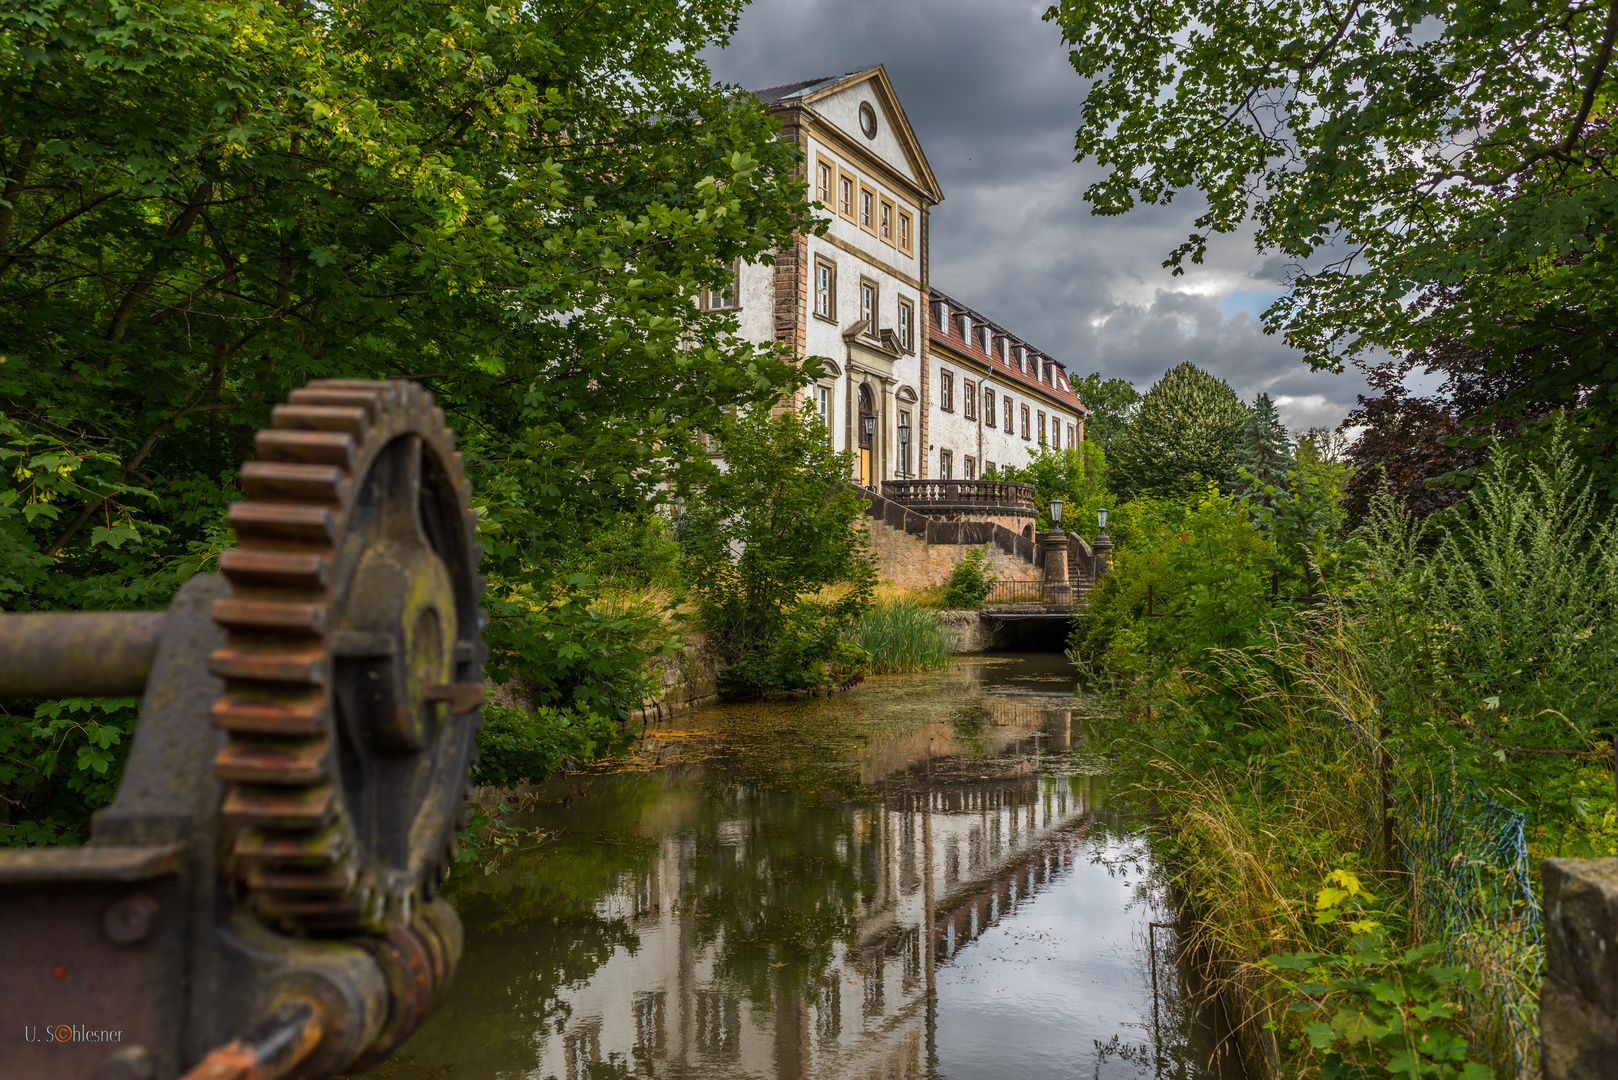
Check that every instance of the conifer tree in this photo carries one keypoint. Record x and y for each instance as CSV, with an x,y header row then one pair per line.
x,y
1266,452
1187,429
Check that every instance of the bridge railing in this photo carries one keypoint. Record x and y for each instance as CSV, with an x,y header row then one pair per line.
x,y
1031,592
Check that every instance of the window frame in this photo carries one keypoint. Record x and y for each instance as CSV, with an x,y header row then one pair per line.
x,y
866,199
1011,416
831,289
1070,443
1025,420
906,232
828,169
907,325
1041,427
850,183
946,390
946,464
705,300
867,286
969,467
884,221
825,404
990,405
969,398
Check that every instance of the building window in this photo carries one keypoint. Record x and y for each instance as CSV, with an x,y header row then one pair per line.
x,y
725,298
868,308
1010,428
907,326
1070,443
823,183
946,465
988,406
946,391
988,468
825,290
884,221
845,195
969,398
867,209
943,319
1025,432
1042,429
823,405
969,469
907,233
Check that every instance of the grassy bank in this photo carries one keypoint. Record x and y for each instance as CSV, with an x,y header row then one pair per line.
x,y
1355,794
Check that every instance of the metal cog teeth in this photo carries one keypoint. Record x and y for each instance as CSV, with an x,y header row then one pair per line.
x,y
294,849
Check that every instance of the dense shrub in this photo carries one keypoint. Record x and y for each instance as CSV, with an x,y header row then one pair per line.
x,y
518,747
970,580
570,652
765,543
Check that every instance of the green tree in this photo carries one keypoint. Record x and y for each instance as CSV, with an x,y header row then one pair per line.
x,y
205,203
1457,153
1111,403
1187,430
780,566
1266,450
1077,475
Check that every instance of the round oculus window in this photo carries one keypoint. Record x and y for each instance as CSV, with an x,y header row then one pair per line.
x,y
867,119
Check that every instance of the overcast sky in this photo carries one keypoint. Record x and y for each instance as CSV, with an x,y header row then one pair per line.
x,y
988,88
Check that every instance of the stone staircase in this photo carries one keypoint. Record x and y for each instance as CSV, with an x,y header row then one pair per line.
x,y
915,549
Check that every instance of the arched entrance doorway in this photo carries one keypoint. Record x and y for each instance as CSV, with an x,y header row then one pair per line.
x,y
867,434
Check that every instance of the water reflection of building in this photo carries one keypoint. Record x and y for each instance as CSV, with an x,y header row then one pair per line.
x,y
954,843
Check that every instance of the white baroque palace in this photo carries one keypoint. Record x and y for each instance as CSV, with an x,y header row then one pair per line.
x,y
910,375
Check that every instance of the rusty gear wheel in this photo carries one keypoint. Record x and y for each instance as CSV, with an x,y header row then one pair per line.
x,y
353,661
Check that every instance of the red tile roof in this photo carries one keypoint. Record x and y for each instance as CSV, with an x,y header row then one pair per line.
x,y
1004,367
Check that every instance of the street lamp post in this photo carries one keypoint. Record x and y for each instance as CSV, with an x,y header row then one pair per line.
x,y
1056,515
1102,546
904,451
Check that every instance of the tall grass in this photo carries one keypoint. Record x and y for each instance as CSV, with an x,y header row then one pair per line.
x,y
901,636
1248,837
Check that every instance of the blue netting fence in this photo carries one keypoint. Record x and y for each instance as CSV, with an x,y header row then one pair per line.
x,y
1468,867
1470,885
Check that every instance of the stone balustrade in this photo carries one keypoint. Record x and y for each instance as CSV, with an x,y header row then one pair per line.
x,y
989,497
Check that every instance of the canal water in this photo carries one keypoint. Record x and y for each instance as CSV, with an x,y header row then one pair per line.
x,y
928,876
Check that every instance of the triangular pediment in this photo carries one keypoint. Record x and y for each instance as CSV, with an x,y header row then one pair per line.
x,y
839,101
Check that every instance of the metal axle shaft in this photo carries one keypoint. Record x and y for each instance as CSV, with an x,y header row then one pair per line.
x,y
53,654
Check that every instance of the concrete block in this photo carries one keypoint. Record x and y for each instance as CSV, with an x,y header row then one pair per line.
x,y
1581,928
1576,1042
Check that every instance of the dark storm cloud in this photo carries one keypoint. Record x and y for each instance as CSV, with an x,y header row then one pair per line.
x,y
988,88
